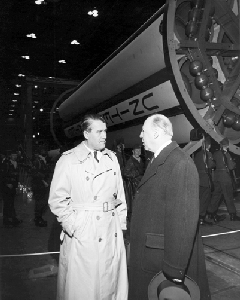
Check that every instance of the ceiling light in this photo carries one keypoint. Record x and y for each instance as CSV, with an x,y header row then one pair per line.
x,y
41,109
93,13
16,94
21,75
32,35
38,2
25,57
18,85
36,86
75,42
62,61
33,135
14,100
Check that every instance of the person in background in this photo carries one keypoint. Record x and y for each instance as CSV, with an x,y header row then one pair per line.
x,y
205,164
10,177
133,172
87,196
2,158
118,148
223,185
164,233
40,185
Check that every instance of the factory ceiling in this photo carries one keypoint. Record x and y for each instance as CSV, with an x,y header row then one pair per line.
x,y
64,39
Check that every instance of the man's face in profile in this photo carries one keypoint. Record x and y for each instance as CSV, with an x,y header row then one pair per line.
x,y
96,136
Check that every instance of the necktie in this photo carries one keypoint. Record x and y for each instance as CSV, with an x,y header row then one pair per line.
x,y
95,156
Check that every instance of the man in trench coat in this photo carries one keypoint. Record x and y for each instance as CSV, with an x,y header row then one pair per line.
x,y
164,227
88,199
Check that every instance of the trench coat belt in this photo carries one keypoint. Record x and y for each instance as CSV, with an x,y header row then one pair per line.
x,y
102,206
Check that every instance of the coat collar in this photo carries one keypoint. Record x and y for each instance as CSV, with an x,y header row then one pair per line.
x,y
159,160
83,153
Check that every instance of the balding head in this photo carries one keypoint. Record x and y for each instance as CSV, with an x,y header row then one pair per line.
x,y
163,123
156,131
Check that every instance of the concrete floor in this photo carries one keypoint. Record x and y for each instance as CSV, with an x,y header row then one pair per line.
x,y
23,256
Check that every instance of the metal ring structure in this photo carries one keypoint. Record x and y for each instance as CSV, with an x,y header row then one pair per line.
x,y
217,52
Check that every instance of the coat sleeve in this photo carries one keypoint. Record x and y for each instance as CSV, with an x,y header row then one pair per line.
x,y
181,218
121,209
60,195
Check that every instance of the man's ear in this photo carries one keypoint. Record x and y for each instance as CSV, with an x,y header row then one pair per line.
x,y
85,134
155,134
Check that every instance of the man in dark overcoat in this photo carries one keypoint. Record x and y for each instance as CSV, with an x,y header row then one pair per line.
x,y
205,164
164,227
10,177
40,184
133,173
223,184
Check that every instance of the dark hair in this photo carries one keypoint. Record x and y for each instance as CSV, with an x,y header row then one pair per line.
x,y
137,146
88,119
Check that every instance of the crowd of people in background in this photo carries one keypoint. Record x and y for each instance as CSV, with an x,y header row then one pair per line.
x,y
17,172
217,181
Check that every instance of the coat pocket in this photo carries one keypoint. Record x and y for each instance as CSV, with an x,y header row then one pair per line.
x,y
153,253
80,224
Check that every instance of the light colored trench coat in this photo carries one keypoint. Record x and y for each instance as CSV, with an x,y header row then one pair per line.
x,y
92,262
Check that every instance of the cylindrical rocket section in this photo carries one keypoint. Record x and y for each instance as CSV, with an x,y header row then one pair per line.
x,y
184,62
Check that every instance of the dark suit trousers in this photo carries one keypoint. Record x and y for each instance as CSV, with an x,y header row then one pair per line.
x,y
225,189
8,203
41,201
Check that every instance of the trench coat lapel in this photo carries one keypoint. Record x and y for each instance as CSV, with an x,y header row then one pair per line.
x,y
83,154
159,160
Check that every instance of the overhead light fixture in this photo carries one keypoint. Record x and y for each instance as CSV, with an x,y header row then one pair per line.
x,y
34,136
38,2
14,100
21,75
93,13
62,61
36,86
75,42
18,85
25,56
41,109
16,94
32,35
